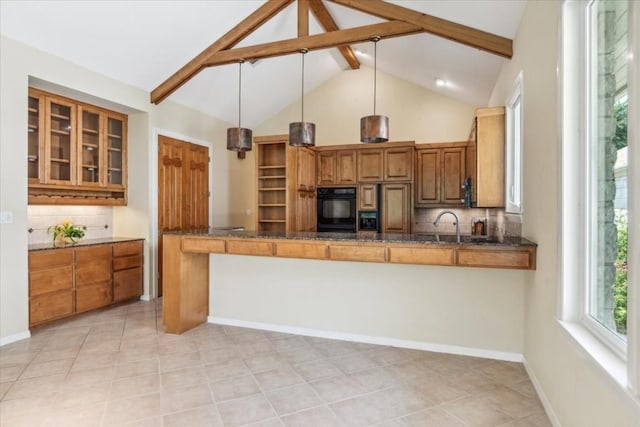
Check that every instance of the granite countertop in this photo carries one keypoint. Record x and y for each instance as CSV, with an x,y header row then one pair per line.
x,y
83,242
423,238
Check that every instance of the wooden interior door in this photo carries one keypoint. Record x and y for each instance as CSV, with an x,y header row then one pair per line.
x,y
183,189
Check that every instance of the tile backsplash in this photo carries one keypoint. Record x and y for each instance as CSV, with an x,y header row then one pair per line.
x,y
97,219
497,222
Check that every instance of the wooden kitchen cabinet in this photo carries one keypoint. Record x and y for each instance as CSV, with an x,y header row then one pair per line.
x,y
336,168
305,211
367,197
389,164
127,270
396,208
60,141
271,171
76,152
486,158
51,288
398,163
66,281
35,139
440,174
370,165
286,190
93,277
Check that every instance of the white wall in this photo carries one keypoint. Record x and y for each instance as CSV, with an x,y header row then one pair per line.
x,y
578,391
473,311
19,63
415,114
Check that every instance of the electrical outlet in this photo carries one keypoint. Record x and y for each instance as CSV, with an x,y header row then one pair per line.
x,y
6,217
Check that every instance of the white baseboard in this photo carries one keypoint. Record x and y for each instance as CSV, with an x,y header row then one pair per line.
x,y
145,297
541,394
342,336
15,337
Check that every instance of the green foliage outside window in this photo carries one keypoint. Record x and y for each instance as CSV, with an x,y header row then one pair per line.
x,y
620,137
620,286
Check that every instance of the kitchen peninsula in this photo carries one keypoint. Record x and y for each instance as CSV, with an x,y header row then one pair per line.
x,y
186,258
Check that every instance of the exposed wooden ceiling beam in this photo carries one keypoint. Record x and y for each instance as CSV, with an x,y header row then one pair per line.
x,y
230,39
326,20
314,42
402,22
303,18
440,27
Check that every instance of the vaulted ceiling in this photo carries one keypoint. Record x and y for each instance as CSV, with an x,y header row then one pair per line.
x,y
143,43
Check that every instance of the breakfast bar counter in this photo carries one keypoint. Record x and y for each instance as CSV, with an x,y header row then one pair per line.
x,y
186,258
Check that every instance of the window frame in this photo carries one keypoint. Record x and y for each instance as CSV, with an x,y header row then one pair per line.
x,y
514,148
589,227
573,310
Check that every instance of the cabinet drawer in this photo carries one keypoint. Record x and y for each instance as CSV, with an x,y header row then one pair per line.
x,y
358,253
50,306
94,296
194,244
428,256
240,247
98,270
301,250
39,260
495,259
92,253
125,262
127,284
127,248
55,279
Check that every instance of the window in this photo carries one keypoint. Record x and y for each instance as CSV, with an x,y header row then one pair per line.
x,y
597,100
514,149
606,134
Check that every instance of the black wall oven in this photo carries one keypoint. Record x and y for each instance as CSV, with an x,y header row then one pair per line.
x,y
337,209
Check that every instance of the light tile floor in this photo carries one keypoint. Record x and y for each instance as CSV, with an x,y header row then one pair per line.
x,y
116,367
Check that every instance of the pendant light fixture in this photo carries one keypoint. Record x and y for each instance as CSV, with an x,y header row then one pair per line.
x,y
302,134
375,128
239,139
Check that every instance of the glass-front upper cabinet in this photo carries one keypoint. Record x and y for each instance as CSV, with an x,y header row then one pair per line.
x,y
116,146
60,138
90,156
35,128
77,152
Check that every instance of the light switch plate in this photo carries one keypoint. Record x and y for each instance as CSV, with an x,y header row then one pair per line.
x,y
6,217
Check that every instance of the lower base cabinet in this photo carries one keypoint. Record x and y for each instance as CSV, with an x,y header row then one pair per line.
x,y
127,270
50,306
127,284
93,296
66,281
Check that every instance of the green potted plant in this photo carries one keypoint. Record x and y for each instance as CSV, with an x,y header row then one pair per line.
x,y
66,232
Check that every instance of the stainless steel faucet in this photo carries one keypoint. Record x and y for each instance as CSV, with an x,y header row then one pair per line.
x,y
437,221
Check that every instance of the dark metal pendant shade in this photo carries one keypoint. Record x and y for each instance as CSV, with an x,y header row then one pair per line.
x,y
302,134
374,129
239,139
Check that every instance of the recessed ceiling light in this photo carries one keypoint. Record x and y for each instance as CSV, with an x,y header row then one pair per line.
x,y
441,82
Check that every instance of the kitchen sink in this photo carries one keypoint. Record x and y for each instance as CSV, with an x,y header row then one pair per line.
x,y
451,238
